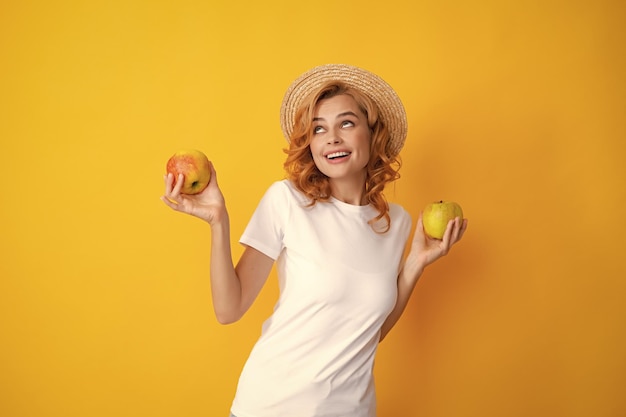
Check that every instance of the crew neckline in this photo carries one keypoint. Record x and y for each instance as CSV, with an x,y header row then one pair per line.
x,y
349,206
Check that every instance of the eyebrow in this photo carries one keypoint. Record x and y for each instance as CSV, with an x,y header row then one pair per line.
x,y
346,113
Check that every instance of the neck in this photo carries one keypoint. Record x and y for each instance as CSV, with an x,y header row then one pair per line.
x,y
350,192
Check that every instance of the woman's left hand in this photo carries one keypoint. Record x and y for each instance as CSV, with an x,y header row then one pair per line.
x,y
426,250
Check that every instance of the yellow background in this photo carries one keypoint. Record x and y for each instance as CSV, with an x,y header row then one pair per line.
x,y
516,110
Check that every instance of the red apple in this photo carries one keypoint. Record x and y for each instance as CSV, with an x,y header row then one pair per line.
x,y
437,215
195,167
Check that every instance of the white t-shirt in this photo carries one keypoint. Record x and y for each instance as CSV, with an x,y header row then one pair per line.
x,y
338,283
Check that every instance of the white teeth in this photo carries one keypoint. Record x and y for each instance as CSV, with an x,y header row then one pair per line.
x,y
337,155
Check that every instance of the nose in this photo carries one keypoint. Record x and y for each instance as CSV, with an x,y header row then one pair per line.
x,y
333,137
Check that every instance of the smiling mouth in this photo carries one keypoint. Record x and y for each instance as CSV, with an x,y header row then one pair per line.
x,y
337,155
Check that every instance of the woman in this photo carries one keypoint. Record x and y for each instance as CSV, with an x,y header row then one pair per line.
x,y
337,243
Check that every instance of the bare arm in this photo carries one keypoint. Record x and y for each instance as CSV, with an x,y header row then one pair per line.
x,y
233,289
424,251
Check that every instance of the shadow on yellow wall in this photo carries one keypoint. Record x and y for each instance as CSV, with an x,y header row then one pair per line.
x,y
515,110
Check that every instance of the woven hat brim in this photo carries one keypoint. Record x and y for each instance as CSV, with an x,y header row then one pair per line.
x,y
390,106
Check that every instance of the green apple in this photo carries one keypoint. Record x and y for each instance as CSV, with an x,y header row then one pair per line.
x,y
437,215
195,167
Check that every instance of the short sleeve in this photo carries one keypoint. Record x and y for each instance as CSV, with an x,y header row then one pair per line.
x,y
265,230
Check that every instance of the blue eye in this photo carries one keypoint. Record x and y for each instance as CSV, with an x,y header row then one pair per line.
x,y
318,129
347,123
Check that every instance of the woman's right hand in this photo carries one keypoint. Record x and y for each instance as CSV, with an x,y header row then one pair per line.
x,y
209,205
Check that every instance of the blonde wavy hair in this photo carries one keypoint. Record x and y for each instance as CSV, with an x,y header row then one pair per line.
x,y
382,168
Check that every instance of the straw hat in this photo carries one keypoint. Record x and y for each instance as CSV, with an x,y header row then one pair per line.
x,y
390,106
